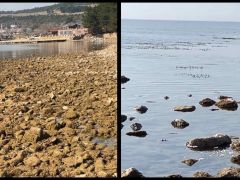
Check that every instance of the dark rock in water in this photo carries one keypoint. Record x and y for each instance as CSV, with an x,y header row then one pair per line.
x,y
185,108
136,126
224,97
190,95
164,140
131,172
207,102
124,79
141,109
235,145
189,162
235,159
123,118
122,126
229,172
131,118
166,97
175,176
137,133
209,143
214,109
202,174
227,104
179,123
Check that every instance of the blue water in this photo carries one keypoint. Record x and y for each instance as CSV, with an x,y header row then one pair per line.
x,y
177,58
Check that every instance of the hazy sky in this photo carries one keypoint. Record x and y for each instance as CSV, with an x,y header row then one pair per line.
x,y
182,11
20,6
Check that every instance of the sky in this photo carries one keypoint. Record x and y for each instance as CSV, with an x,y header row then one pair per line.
x,y
21,6
182,11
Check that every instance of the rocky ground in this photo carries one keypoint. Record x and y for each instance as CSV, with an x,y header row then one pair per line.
x,y
56,112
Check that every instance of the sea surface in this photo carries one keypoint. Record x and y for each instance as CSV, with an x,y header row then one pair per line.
x,y
175,59
15,51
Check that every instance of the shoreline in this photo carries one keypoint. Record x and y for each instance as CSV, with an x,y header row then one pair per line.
x,y
52,109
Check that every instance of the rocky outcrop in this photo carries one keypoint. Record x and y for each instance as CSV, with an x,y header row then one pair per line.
x,y
235,159
179,123
185,108
190,162
131,172
207,102
141,109
209,143
229,172
202,174
227,104
235,145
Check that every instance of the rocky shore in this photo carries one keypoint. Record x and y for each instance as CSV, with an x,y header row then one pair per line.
x,y
58,115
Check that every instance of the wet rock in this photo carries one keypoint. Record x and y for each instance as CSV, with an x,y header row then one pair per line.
x,y
136,126
185,108
71,114
235,159
202,174
214,109
227,104
122,126
235,145
229,172
175,176
166,97
141,109
131,172
189,162
179,123
190,95
131,118
207,102
124,79
209,143
35,134
123,118
224,97
32,161
137,133
20,89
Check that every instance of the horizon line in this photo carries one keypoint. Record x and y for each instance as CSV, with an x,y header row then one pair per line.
x,y
179,20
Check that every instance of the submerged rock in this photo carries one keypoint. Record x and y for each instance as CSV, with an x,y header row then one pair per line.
x,y
229,172
137,133
209,143
136,126
131,172
124,79
141,109
202,174
235,159
179,123
190,162
185,108
207,102
123,117
227,104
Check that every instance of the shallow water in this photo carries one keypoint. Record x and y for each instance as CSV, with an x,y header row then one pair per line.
x,y
175,59
15,51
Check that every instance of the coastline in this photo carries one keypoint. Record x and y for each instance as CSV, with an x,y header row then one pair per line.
x,y
53,109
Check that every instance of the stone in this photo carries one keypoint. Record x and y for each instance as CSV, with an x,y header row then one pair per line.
x,y
224,97
229,172
32,161
124,79
35,134
185,108
72,161
131,172
236,159
137,133
136,126
141,109
20,89
227,104
213,109
166,97
190,95
209,143
179,123
131,118
99,164
235,145
207,102
202,174
71,114
190,162
123,117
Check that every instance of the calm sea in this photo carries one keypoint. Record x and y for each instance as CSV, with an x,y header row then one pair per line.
x,y
175,59
15,51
